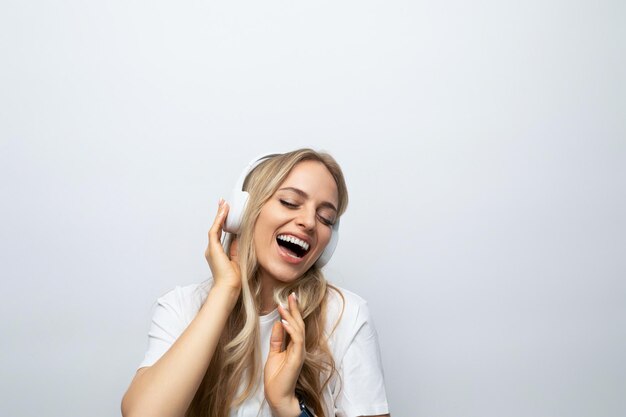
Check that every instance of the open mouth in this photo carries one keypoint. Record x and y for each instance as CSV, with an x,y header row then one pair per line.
x,y
293,246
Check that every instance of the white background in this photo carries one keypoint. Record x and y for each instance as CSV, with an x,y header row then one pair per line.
x,y
484,145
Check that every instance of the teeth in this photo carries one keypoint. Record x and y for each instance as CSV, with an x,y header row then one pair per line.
x,y
293,239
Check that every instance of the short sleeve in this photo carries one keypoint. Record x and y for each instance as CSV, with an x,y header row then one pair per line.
x,y
172,314
362,389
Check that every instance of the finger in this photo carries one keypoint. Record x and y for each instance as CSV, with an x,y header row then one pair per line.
x,y
277,337
286,314
217,222
294,308
295,349
291,325
215,232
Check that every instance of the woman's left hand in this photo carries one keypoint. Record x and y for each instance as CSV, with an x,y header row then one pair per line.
x,y
283,366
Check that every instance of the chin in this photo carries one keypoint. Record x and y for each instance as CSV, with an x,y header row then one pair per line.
x,y
283,272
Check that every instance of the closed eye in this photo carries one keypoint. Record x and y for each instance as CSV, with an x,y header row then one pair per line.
x,y
326,221
293,206
288,204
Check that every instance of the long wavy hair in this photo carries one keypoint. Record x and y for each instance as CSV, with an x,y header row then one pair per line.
x,y
235,369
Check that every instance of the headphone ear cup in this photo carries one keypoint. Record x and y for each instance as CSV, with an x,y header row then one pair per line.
x,y
330,248
239,198
235,211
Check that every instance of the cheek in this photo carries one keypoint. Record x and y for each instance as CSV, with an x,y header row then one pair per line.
x,y
325,238
263,233
256,237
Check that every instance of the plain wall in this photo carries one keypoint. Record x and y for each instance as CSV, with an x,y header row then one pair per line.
x,y
484,146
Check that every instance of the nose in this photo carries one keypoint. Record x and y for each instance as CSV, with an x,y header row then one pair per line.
x,y
306,219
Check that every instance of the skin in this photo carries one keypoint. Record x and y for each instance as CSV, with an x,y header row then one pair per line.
x,y
302,206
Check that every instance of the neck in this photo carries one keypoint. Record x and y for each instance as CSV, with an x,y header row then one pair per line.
x,y
267,293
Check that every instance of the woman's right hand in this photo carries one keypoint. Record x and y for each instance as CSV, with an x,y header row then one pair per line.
x,y
225,271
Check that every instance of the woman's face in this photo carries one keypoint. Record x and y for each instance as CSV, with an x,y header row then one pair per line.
x,y
295,224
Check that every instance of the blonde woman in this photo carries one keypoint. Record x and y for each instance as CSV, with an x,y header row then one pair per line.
x,y
267,335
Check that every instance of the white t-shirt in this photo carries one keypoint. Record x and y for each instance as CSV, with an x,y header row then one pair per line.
x,y
359,391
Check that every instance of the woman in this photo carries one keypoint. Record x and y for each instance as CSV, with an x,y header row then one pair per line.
x,y
267,335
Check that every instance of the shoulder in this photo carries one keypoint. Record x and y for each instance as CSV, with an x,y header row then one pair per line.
x,y
343,302
343,299
172,313
347,313
184,301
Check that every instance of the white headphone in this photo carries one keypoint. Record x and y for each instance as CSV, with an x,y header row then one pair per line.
x,y
239,201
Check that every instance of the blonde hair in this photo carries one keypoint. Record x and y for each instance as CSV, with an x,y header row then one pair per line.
x,y
237,359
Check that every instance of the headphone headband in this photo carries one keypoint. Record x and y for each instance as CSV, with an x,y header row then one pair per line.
x,y
248,169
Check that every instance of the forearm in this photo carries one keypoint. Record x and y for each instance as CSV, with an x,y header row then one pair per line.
x,y
166,388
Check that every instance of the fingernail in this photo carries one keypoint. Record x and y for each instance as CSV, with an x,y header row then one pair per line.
x,y
282,305
285,322
220,202
295,297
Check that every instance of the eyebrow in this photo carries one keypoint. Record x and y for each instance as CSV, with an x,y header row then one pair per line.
x,y
305,195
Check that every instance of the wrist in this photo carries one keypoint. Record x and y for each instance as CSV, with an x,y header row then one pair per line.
x,y
226,294
304,410
291,408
